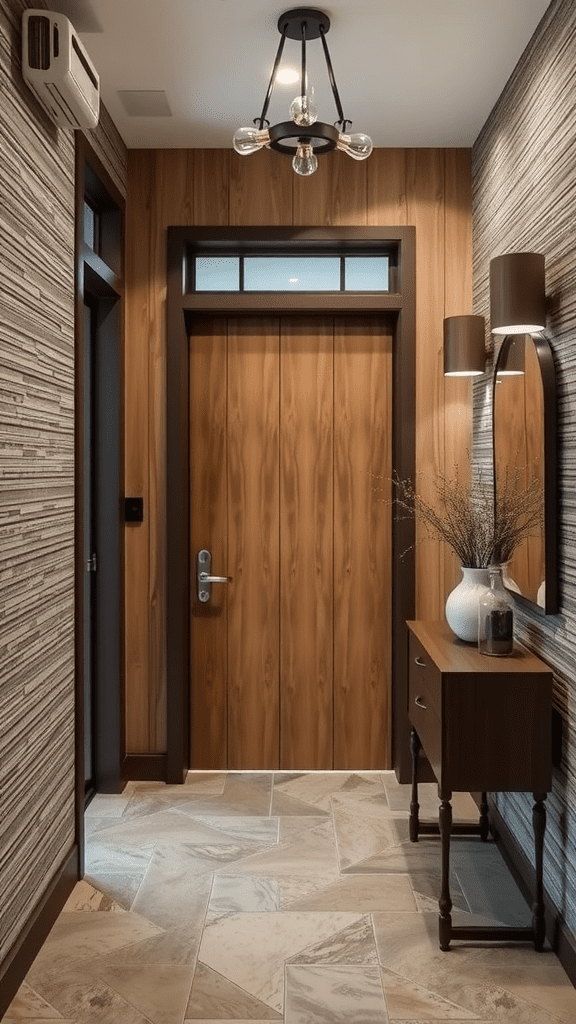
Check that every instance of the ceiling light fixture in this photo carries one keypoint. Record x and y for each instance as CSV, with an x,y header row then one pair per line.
x,y
304,137
287,76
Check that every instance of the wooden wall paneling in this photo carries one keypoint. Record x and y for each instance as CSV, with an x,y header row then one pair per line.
x,y
386,187
306,539
393,186
136,439
335,194
457,300
362,545
209,529
253,544
173,178
260,188
211,186
425,186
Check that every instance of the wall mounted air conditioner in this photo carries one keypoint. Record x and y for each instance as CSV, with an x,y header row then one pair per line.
x,y
58,70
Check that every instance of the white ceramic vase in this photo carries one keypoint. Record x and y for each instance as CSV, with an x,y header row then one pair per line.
x,y
462,603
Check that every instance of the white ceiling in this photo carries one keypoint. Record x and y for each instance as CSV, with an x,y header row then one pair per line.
x,y
409,72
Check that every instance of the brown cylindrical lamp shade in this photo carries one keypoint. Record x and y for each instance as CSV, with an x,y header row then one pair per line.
x,y
517,293
464,351
512,357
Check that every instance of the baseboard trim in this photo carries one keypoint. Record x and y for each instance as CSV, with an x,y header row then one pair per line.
x,y
17,963
558,934
144,768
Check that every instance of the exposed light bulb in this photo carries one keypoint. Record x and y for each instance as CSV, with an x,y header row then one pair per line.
x,y
303,110
358,146
287,76
305,162
250,140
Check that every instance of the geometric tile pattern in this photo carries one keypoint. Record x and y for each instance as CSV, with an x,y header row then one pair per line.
x,y
296,897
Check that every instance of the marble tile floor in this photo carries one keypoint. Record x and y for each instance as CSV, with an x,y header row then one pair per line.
x,y
295,897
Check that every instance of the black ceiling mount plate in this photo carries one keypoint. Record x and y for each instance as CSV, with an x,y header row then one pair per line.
x,y
284,137
291,23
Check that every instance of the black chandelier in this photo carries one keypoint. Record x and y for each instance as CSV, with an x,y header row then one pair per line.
x,y
304,136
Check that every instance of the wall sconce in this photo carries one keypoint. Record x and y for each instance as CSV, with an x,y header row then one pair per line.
x,y
512,359
464,351
517,293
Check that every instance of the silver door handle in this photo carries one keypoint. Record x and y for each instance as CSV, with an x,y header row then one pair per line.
x,y
418,661
419,702
204,578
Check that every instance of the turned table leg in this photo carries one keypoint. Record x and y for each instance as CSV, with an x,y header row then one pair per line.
x,y
445,902
539,825
414,805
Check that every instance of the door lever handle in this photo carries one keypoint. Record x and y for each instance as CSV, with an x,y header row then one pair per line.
x,y
204,578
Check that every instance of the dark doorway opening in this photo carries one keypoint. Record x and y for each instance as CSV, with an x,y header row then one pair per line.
x,y
99,481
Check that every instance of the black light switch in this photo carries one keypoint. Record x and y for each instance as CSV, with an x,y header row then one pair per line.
x,y
134,510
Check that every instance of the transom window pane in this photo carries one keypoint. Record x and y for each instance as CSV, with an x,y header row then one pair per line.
x,y
217,273
295,273
292,274
90,226
366,274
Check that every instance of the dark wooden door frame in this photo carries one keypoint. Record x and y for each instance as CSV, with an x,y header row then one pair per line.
x,y
100,277
183,304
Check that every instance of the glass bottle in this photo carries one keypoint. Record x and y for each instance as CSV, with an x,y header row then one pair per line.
x,y
495,617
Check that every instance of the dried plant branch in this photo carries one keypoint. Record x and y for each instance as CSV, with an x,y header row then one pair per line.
x,y
466,519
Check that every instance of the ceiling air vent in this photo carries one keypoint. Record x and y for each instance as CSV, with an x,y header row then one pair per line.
x,y
145,102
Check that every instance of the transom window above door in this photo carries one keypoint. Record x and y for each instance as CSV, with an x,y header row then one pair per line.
x,y
294,273
290,269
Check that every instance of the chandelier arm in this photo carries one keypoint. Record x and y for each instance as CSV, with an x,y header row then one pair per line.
x,y
303,71
341,119
271,83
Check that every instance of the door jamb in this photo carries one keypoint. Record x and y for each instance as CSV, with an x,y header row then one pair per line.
x,y
181,306
100,274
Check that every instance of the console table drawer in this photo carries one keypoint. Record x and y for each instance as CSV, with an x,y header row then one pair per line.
x,y
484,723
425,680
425,702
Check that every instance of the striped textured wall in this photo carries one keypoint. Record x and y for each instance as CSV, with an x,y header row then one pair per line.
x,y
36,484
524,199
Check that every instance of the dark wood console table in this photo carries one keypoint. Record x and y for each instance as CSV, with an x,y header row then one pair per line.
x,y
484,724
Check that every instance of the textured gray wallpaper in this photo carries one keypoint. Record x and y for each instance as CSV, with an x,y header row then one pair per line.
x,y
524,199
36,483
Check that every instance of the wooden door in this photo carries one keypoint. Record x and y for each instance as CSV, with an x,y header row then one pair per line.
x,y
290,418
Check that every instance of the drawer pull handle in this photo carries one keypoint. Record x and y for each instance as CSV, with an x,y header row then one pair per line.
x,y
419,702
418,661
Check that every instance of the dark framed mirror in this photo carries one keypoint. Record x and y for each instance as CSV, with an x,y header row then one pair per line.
x,y
524,449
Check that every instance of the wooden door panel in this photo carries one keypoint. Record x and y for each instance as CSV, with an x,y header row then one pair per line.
x,y
306,532
209,529
362,545
253,530
290,662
